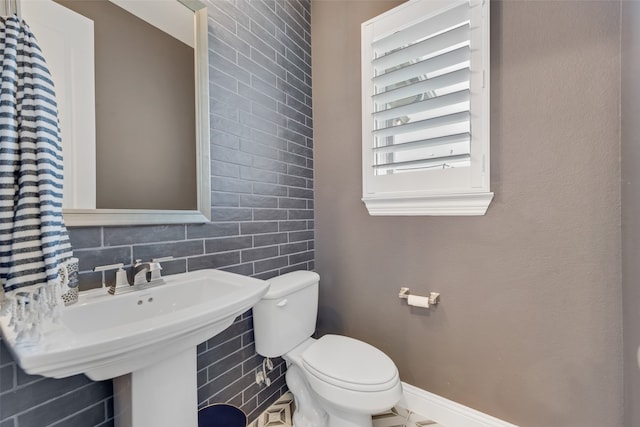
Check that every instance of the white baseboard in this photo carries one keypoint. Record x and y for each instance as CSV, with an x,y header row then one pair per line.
x,y
444,411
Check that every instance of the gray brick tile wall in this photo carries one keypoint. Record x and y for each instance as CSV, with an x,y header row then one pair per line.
x,y
262,214
118,236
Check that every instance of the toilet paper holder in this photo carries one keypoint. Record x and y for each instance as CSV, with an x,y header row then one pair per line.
x,y
434,297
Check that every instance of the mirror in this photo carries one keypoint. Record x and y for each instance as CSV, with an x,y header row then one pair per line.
x,y
130,152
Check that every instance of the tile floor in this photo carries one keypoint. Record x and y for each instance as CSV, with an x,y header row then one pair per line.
x,y
280,413
277,415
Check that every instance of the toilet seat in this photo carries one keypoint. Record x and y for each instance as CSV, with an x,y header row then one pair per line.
x,y
350,364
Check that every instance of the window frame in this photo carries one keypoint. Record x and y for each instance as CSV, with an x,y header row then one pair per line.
x,y
456,191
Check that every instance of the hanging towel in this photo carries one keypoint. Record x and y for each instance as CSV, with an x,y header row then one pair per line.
x,y
34,243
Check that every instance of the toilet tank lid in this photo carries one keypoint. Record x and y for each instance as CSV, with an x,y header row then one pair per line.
x,y
281,286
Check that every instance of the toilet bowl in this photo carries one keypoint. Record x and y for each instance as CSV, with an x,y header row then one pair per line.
x,y
336,381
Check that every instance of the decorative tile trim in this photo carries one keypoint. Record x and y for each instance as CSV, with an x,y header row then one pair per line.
x,y
395,417
277,415
401,417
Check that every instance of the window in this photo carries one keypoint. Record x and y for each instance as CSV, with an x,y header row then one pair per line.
x,y
425,96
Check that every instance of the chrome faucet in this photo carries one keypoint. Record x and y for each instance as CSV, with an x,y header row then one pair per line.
x,y
140,269
143,274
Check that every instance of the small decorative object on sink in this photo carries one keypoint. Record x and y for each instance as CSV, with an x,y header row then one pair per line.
x,y
145,339
69,276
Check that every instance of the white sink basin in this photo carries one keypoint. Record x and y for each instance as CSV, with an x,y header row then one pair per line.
x,y
105,336
145,332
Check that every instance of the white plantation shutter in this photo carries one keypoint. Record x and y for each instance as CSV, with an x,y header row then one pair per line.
x,y
425,109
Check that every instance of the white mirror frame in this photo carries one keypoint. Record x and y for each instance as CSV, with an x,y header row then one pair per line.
x,y
100,217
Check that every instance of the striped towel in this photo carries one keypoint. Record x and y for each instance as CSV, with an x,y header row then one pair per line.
x,y
33,239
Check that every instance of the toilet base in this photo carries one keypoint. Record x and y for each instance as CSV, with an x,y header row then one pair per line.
x,y
339,418
311,413
308,413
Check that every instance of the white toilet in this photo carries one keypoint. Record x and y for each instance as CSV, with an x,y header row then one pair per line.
x,y
336,381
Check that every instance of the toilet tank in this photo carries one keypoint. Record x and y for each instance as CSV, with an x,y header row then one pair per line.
x,y
286,315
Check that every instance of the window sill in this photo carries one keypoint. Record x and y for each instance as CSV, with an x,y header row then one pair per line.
x,y
468,204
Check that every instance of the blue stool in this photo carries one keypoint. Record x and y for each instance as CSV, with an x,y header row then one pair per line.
x,y
221,415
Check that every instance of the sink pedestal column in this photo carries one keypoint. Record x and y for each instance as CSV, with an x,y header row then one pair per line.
x,y
163,394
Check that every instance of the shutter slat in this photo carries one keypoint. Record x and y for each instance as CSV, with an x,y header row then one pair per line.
x,y
455,102
448,147
445,41
458,79
424,125
444,140
449,161
458,57
441,20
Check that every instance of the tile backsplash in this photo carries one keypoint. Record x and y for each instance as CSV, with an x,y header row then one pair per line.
x,y
262,213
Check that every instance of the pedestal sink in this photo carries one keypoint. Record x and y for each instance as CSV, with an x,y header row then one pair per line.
x,y
146,340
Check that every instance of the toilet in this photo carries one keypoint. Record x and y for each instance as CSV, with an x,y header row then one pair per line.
x,y
336,381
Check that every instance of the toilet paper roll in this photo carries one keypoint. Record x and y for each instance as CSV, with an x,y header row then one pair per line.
x,y
418,301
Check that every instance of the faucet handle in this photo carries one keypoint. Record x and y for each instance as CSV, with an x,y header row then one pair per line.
x,y
121,276
155,270
108,267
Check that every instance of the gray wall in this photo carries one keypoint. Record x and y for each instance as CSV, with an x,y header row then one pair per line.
x,y
529,327
630,154
262,182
